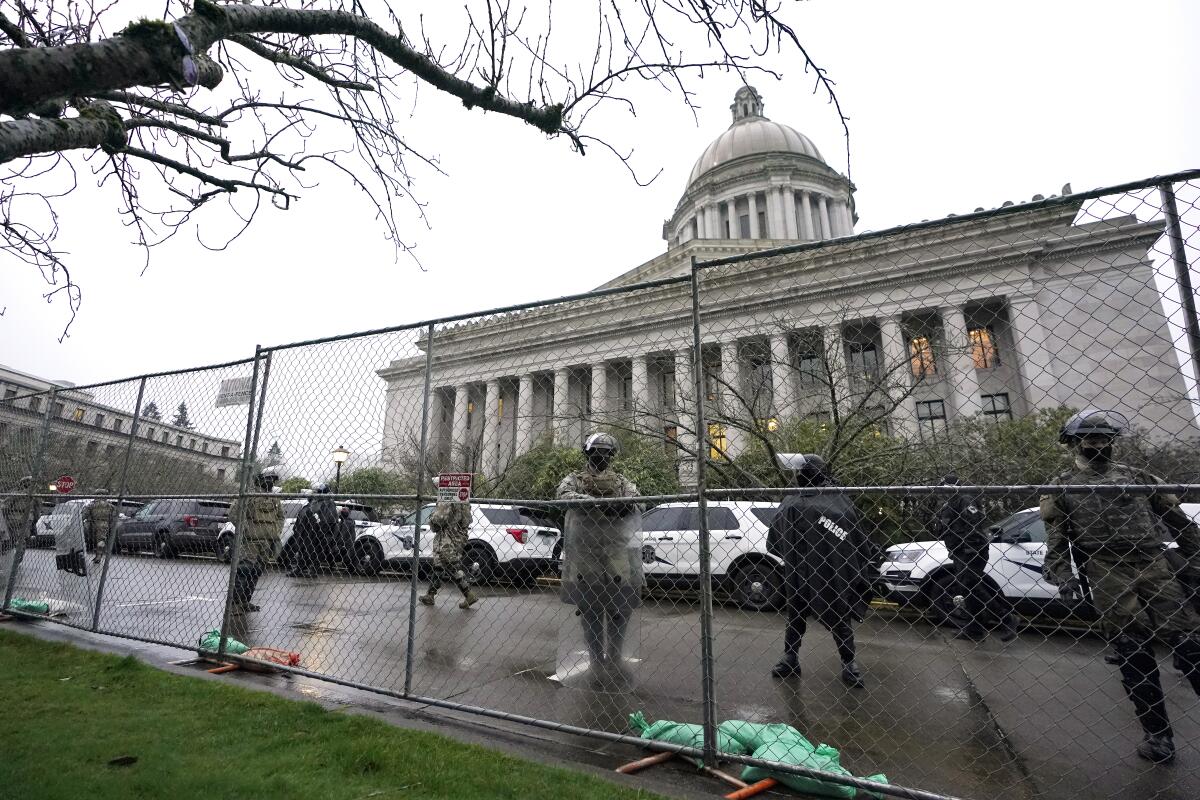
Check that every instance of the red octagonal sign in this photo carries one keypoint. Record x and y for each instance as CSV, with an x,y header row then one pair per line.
x,y
65,484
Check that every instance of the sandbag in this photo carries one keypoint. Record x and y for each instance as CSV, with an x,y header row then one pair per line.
x,y
211,642
29,606
682,733
799,751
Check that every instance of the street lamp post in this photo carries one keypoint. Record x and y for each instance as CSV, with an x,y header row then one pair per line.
x,y
340,454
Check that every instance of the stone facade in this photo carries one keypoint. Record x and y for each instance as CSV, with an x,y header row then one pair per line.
x,y
997,316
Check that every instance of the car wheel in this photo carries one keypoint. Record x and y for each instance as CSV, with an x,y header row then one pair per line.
x,y
758,586
480,563
162,545
938,595
368,557
224,548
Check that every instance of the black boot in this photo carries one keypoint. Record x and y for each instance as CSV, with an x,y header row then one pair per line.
x,y
851,676
788,667
1140,678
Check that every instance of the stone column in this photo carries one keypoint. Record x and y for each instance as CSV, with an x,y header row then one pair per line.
x,y
823,212
561,406
897,371
643,411
806,226
839,375
524,432
774,218
960,369
698,215
730,406
783,383
599,393
848,218
1034,361
714,230
460,437
491,426
788,201
735,230
752,205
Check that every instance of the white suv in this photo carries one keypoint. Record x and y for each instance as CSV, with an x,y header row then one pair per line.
x,y
737,543
923,571
502,541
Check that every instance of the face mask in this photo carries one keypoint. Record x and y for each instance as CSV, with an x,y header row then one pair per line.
x,y
1098,456
599,461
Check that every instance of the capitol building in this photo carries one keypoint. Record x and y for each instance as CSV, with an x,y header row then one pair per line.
x,y
994,316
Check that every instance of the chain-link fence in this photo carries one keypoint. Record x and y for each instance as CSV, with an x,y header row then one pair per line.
x,y
968,590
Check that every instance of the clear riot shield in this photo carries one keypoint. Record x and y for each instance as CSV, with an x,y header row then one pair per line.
x,y
77,578
8,554
600,644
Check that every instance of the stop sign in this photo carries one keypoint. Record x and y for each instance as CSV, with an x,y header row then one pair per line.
x,y
65,484
464,494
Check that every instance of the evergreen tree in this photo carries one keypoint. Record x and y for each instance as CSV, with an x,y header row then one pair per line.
x,y
181,417
151,411
275,455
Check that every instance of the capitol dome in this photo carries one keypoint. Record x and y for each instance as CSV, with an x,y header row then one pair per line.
x,y
761,179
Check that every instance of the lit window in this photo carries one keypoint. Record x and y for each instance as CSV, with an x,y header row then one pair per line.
x,y
768,425
996,407
78,415
931,417
718,442
500,407
670,440
983,348
920,356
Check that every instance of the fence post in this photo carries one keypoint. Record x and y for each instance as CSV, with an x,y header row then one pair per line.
x,y
121,487
416,557
239,522
706,595
36,469
1183,276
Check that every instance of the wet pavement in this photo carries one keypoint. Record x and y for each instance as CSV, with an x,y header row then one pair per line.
x,y
1040,717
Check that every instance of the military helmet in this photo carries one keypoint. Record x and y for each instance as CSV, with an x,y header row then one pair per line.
x,y
602,442
269,473
25,482
1093,421
99,492
321,488
807,465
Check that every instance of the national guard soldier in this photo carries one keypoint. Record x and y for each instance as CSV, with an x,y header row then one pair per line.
x,y
19,516
602,564
102,521
1118,551
259,530
451,524
825,552
962,526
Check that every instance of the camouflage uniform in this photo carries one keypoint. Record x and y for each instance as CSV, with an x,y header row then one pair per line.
x,y
259,536
1118,547
102,518
18,518
1117,539
451,525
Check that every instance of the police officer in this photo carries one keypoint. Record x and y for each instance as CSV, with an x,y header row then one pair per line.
x,y
962,526
602,566
102,521
259,530
451,523
316,526
1116,547
19,516
820,539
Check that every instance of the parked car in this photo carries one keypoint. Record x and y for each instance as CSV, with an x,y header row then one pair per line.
x,y
170,526
224,549
503,541
56,519
741,565
923,573
42,536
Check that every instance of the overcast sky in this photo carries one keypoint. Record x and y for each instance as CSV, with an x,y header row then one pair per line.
x,y
953,106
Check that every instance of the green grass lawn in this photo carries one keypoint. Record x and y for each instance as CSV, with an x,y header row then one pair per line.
x,y
67,713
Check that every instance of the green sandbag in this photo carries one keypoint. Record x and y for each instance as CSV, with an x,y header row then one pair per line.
x,y
802,754
752,735
29,606
682,733
211,641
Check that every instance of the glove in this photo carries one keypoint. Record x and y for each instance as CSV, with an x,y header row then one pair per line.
x,y
1070,590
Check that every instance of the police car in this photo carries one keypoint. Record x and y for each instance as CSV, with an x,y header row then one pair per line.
x,y
923,573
